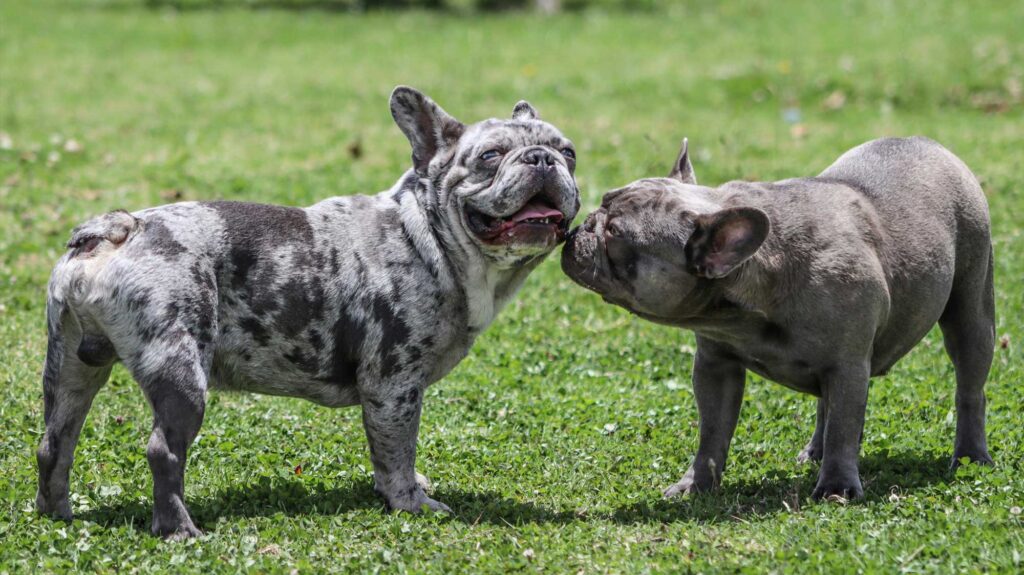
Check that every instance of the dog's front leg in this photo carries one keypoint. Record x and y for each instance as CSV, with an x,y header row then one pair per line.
x,y
845,390
718,381
391,417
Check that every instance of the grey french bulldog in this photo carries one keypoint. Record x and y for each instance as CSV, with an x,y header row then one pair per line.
x,y
816,283
359,300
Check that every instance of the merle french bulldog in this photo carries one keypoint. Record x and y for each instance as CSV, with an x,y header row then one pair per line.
x,y
816,283
359,300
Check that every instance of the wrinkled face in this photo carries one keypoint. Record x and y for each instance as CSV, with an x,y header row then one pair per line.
x,y
513,187
633,249
505,186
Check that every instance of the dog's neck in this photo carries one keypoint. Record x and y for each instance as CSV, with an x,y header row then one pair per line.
x,y
487,289
484,287
723,310
754,285
419,229
759,283
719,308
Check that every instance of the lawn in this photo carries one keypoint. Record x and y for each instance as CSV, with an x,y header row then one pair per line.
x,y
552,441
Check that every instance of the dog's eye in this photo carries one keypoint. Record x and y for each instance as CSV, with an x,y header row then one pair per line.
x,y
569,153
613,230
489,155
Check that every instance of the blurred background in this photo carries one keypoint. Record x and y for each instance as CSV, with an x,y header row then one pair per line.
x,y
543,6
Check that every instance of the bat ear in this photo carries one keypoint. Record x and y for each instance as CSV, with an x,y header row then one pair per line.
x,y
683,170
524,111
723,240
429,128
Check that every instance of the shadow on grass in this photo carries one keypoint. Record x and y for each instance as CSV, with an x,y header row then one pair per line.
x,y
780,492
789,490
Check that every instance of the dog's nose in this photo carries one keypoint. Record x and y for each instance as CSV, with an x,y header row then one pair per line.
x,y
539,157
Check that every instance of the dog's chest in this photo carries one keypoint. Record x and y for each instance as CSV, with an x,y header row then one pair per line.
x,y
487,290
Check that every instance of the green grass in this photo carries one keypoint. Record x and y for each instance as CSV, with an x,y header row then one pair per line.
x,y
553,439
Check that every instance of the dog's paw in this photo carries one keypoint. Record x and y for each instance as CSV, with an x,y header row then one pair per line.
x,y
981,458
681,488
174,526
839,489
418,505
434,505
182,534
810,454
688,484
59,509
424,482
414,500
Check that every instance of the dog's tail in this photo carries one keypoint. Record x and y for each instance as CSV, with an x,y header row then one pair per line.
x,y
112,228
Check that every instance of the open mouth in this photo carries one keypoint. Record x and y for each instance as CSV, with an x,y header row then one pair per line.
x,y
533,221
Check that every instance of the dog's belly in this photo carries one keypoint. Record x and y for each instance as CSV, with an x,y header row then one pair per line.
x,y
804,371
781,355
266,374
797,375
913,314
891,347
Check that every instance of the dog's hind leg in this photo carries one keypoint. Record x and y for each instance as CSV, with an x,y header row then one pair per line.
x,y
173,377
79,355
70,383
968,331
815,448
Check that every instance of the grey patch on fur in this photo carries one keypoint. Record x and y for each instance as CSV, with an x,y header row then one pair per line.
x,y
161,239
816,283
357,300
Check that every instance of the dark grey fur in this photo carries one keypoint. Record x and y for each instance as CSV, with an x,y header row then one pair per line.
x,y
816,283
359,300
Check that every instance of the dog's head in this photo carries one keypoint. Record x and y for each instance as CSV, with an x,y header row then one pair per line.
x,y
653,246
506,186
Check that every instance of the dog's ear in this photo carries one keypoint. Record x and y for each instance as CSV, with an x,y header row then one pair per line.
x,y
524,111
682,170
429,128
723,240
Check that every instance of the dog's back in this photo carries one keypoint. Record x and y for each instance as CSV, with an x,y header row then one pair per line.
x,y
921,191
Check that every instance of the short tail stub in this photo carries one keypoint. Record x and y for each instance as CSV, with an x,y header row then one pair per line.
x,y
113,227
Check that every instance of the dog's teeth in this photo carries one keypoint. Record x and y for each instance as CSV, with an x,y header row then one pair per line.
x,y
546,220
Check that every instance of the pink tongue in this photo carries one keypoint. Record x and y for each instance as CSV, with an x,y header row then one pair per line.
x,y
536,210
